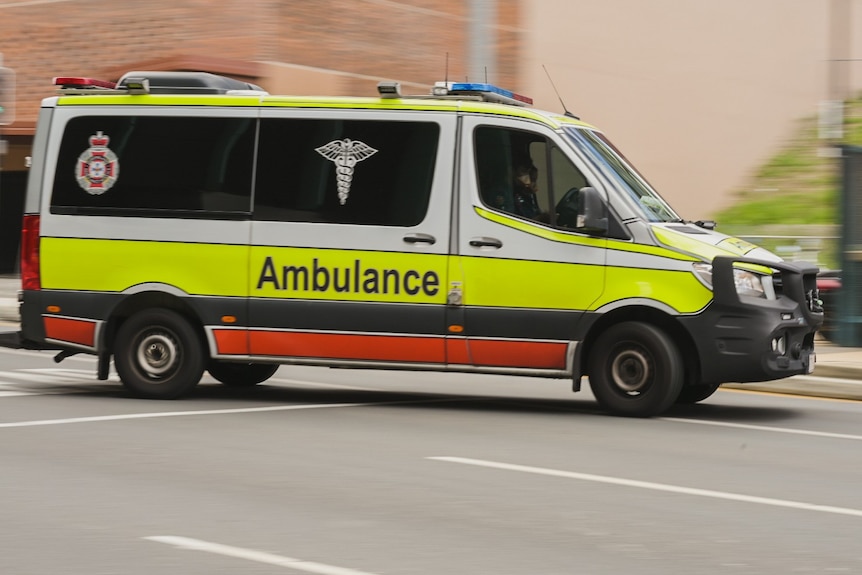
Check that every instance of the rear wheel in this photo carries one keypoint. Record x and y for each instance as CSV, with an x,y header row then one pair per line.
x,y
158,354
241,374
635,370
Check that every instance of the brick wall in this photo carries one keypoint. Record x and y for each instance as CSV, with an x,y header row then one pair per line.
x,y
406,40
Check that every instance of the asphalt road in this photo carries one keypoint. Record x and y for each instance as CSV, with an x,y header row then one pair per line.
x,y
342,472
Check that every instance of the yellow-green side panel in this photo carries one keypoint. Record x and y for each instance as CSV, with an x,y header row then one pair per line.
x,y
501,282
117,265
680,290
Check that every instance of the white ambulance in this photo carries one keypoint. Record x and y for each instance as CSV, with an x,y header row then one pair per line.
x,y
183,222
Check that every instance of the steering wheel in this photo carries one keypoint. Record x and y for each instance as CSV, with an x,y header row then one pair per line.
x,y
567,209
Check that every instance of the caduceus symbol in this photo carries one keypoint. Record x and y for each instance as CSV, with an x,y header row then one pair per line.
x,y
345,154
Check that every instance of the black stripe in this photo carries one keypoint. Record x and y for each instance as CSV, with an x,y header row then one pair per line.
x,y
522,323
356,317
423,319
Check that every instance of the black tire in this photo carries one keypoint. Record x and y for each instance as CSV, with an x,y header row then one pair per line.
x,y
695,393
241,374
158,354
635,370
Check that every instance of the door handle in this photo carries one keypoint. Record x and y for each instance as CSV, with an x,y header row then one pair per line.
x,y
420,239
486,243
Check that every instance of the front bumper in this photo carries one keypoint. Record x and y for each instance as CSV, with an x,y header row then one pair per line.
x,y
745,339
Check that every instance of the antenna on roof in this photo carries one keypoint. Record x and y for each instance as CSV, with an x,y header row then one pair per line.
x,y
486,74
446,76
563,104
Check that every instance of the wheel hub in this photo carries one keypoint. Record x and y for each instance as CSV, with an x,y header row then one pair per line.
x,y
157,354
631,371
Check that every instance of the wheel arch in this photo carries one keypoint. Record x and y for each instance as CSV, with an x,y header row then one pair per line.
x,y
149,299
649,315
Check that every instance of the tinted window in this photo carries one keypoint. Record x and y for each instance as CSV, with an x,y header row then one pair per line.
x,y
524,174
160,166
500,155
352,171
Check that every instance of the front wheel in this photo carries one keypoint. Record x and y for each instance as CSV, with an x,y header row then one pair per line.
x,y
158,354
695,393
241,374
635,370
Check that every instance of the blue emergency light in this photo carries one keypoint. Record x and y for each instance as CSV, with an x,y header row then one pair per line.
x,y
488,92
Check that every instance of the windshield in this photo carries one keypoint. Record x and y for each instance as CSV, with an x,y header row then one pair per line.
x,y
613,165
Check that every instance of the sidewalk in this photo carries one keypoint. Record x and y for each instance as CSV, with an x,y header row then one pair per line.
x,y
9,286
833,362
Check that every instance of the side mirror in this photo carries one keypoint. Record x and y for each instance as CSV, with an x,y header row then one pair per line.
x,y
592,212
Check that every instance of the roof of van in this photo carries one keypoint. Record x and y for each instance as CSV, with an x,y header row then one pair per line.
x,y
552,119
171,88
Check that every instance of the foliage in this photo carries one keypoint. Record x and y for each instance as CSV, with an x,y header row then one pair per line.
x,y
800,184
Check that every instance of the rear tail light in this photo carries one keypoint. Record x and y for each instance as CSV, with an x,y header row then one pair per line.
x,y
30,277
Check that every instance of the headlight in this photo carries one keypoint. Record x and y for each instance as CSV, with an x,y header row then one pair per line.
x,y
746,282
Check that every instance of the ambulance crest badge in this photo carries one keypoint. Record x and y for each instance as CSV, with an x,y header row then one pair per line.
x,y
98,167
345,154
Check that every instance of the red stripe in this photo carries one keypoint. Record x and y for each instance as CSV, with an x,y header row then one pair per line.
x,y
342,346
78,331
457,351
537,355
231,341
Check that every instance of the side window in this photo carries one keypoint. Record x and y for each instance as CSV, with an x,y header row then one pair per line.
x,y
524,174
156,166
568,180
345,171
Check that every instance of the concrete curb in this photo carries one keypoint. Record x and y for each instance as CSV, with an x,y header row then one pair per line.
x,y
850,388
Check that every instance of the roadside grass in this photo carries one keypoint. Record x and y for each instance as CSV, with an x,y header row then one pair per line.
x,y
796,193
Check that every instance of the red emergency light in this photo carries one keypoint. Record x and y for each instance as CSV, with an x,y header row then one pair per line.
x,y
76,82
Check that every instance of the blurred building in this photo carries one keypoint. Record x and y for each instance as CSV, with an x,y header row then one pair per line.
x,y
697,93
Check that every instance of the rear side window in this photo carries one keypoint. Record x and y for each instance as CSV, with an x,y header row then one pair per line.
x,y
155,166
345,171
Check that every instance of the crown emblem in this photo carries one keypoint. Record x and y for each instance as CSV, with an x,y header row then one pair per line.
x,y
99,140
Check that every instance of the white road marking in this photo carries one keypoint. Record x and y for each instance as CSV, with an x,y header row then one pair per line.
x,y
653,486
35,353
20,375
180,414
56,381
14,393
68,372
67,376
124,416
764,428
254,555
305,383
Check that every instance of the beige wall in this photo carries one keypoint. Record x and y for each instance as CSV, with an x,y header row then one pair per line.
x,y
298,80
697,93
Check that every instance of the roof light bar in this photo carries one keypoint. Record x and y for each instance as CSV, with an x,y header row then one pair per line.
x,y
159,82
487,92
65,82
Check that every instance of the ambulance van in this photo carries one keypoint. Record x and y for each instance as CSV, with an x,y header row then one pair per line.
x,y
177,223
